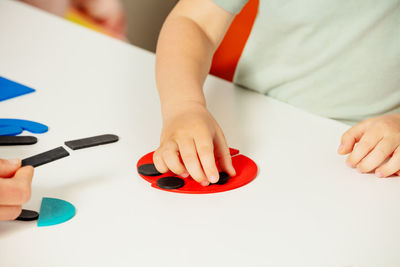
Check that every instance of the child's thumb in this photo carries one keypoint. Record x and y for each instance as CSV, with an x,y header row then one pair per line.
x,y
9,167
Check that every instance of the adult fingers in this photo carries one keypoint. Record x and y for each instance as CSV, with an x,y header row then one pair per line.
x,y
189,156
223,154
378,155
390,167
205,150
8,213
351,137
9,167
17,190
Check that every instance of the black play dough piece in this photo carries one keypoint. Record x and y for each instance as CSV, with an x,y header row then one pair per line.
x,y
92,141
17,140
170,182
28,215
148,170
46,157
223,178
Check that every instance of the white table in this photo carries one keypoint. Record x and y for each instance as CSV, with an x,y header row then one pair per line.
x,y
305,208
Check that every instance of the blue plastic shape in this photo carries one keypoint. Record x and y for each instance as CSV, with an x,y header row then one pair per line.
x,y
10,130
55,211
31,126
10,89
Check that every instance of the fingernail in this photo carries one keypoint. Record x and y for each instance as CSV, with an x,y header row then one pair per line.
x,y
204,183
185,175
213,179
13,161
340,148
233,171
380,174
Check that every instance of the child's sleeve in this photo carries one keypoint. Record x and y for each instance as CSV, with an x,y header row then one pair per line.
x,y
232,6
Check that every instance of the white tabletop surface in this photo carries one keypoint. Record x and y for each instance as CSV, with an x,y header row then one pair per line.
x,y
305,208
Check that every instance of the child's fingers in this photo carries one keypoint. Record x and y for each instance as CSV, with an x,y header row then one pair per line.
x,y
58,7
205,150
367,142
159,162
351,137
378,155
170,156
101,9
390,167
189,156
223,154
8,213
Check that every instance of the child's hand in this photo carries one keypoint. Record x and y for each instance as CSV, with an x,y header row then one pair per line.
x,y
378,145
190,131
15,188
58,7
109,13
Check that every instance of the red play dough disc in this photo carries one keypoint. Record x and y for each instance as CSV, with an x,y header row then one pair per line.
x,y
246,171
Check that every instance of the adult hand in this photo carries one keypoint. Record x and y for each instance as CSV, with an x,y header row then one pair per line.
x,y
15,188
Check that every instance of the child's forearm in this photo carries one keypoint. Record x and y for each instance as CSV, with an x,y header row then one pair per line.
x,y
191,140
183,60
184,53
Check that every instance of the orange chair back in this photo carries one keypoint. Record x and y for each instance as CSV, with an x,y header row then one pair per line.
x,y
228,53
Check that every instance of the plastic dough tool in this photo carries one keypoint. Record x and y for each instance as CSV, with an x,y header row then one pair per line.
x,y
55,211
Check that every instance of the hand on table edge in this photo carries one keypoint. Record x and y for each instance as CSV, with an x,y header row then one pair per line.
x,y
374,145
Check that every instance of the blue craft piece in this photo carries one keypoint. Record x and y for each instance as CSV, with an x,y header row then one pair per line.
x,y
10,89
10,130
55,211
31,126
